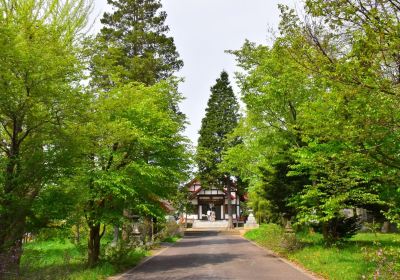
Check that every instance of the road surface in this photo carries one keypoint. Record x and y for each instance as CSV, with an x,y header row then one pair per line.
x,y
209,255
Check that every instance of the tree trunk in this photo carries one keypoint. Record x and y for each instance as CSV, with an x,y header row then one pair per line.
x,y
116,235
12,225
325,231
151,230
94,244
9,260
126,225
11,234
78,233
230,218
385,227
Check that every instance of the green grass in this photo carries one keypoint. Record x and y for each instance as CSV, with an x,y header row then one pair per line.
x,y
351,260
172,239
63,260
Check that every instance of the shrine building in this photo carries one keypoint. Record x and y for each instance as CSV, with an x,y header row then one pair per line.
x,y
215,200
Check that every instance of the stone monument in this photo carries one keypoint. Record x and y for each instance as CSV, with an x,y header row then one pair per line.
x,y
251,221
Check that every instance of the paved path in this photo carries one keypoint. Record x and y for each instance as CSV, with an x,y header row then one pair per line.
x,y
209,255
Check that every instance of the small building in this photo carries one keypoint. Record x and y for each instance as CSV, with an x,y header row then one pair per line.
x,y
215,200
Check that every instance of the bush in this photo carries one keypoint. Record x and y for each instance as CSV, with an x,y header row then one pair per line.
x,y
274,237
386,260
171,229
340,228
290,243
123,255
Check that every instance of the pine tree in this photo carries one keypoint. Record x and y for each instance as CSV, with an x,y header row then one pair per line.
x,y
221,118
133,45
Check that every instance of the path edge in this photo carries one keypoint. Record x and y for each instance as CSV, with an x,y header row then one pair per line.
x,y
143,261
294,265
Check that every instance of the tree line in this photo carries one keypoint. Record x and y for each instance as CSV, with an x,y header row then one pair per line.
x,y
321,127
90,125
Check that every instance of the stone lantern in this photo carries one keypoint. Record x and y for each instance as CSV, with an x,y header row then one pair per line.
x,y
251,221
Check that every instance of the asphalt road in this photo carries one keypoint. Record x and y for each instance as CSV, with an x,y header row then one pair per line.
x,y
209,255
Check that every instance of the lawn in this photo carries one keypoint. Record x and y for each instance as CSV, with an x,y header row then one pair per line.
x,y
360,257
60,259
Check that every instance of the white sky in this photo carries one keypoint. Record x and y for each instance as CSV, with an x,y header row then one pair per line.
x,y
203,30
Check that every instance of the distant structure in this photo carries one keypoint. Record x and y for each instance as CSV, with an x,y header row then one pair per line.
x,y
251,222
212,204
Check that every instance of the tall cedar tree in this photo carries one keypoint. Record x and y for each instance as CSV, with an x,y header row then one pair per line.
x,y
221,118
133,45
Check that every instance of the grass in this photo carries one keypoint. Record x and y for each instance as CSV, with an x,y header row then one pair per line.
x,y
60,259
172,239
354,259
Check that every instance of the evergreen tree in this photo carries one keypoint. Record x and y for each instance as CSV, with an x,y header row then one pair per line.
x,y
133,45
220,120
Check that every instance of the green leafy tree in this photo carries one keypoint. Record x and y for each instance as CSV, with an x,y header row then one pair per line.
x,y
220,120
349,126
39,96
133,45
135,156
273,89
322,105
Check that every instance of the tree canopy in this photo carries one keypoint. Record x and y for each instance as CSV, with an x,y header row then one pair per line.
x,y
133,45
40,75
322,113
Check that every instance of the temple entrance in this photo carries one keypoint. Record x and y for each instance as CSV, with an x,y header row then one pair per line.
x,y
211,207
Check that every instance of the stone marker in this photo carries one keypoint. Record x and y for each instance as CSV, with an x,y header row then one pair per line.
x,y
251,221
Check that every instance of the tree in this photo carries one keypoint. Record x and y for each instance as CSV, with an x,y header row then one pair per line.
x,y
135,155
352,125
39,97
322,113
273,88
133,45
221,119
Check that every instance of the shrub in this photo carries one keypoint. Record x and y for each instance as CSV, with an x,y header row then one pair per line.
x,y
170,229
386,260
290,243
274,237
340,228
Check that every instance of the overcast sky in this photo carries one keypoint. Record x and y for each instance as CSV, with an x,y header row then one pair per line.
x,y
203,30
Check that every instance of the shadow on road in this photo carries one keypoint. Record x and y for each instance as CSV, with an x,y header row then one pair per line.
x,y
193,260
201,233
194,242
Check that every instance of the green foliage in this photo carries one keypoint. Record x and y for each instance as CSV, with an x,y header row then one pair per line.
x,y
386,261
273,236
321,128
171,232
60,259
182,201
273,88
361,257
172,239
68,152
135,155
134,149
348,127
133,45
267,235
40,95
